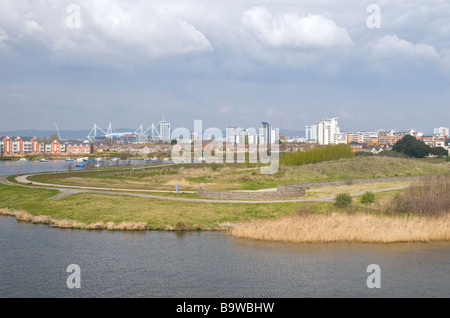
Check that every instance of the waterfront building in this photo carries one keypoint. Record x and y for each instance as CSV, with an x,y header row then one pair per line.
x,y
327,131
19,146
164,130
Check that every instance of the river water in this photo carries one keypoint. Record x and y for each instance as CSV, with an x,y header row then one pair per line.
x,y
34,261
17,167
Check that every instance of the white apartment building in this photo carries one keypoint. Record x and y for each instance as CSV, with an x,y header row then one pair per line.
x,y
164,130
327,131
311,133
442,131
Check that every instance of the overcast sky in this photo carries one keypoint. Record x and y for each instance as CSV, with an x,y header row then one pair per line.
x,y
232,62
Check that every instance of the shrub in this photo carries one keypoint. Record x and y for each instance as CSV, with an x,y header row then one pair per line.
x,y
368,198
342,200
428,198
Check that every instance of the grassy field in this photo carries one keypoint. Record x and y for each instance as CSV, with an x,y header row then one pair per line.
x,y
91,208
121,212
191,177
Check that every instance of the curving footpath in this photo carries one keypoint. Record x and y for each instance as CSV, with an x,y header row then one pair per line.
x,y
68,190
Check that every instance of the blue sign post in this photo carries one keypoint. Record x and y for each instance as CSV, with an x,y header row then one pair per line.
x,y
176,188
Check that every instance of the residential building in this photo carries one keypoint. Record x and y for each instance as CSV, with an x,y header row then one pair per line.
x,y
266,133
327,131
442,131
356,146
18,146
311,133
354,137
164,130
77,148
390,137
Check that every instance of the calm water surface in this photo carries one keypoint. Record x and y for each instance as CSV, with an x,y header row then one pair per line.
x,y
34,259
14,167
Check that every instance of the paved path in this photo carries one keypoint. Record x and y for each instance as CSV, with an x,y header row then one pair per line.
x,y
24,179
68,190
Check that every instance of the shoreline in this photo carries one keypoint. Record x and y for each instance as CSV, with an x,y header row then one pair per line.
x,y
110,226
272,230
344,227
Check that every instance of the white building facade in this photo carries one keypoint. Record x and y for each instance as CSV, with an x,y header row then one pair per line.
x,y
327,131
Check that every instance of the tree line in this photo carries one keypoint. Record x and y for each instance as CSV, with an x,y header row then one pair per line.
x,y
317,154
415,148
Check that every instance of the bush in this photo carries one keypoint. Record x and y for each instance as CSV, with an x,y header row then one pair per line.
x,y
342,200
368,198
428,198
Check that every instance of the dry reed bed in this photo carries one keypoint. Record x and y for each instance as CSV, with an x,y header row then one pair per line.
x,y
44,219
339,227
420,214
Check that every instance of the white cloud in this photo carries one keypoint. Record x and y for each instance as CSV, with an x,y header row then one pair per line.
x,y
108,27
391,46
3,35
292,30
153,30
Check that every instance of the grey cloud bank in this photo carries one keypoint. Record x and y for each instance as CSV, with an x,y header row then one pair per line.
x,y
234,63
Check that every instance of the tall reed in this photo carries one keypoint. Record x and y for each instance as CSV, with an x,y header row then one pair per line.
x,y
338,227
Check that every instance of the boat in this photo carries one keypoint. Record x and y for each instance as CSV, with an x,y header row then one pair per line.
x,y
43,160
98,165
23,159
80,165
114,159
69,160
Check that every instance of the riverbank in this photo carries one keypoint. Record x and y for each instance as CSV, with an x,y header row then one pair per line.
x,y
342,227
315,228
72,224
